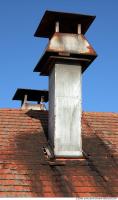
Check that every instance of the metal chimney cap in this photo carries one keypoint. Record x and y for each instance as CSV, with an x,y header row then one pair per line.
x,y
45,64
32,95
68,23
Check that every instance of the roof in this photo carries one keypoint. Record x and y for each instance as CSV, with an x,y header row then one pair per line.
x,y
32,95
26,172
47,25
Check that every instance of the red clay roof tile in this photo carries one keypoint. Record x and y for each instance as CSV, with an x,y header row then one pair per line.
x,y
25,171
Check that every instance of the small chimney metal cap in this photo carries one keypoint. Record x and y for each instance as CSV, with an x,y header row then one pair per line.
x,y
32,95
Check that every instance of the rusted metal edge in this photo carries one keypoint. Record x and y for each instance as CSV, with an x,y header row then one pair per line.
x,y
49,58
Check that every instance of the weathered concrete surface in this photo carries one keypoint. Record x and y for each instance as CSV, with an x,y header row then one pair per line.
x,y
65,110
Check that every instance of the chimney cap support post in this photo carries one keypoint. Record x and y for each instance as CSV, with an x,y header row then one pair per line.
x,y
57,27
79,29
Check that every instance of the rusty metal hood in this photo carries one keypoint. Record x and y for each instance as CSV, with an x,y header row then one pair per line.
x,y
70,43
63,46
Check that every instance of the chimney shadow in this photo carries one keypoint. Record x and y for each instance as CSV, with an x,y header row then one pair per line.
x,y
101,160
29,157
31,163
29,145
41,116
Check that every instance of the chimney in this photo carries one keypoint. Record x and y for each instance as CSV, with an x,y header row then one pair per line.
x,y
67,56
26,95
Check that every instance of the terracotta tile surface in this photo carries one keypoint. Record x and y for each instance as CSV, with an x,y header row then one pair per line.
x,y
26,172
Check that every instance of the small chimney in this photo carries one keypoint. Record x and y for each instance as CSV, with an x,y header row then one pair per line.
x,y
67,56
26,95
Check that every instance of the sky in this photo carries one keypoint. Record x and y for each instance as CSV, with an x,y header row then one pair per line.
x,y
20,50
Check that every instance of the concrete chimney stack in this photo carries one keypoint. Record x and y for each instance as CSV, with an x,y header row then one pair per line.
x,y
67,56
